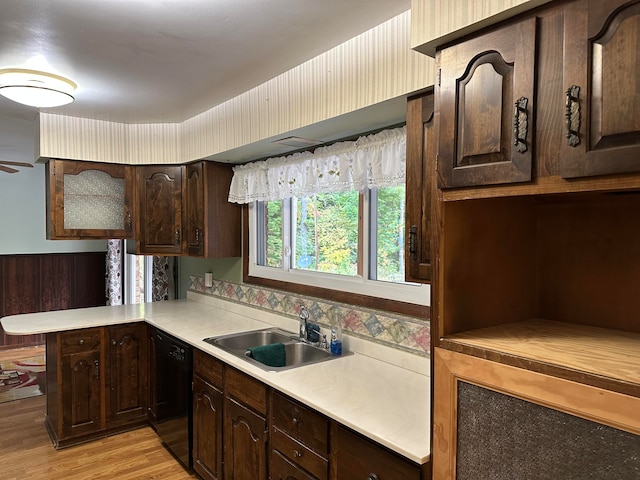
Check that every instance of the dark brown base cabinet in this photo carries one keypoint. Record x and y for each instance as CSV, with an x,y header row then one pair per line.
x,y
96,382
207,416
263,434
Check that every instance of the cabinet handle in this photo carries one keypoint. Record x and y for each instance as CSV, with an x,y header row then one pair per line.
x,y
372,476
113,342
572,115
177,235
295,421
129,219
413,238
96,364
521,125
81,341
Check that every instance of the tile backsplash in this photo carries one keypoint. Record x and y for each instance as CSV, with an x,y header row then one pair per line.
x,y
398,331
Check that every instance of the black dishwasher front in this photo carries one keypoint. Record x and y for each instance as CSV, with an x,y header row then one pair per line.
x,y
172,403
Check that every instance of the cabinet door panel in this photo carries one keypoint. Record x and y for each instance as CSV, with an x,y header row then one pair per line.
x,y
602,76
207,429
245,440
421,180
486,108
159,229
81,393
195,209
88,200
127,381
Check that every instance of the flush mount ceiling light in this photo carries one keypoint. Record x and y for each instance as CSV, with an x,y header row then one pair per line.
x,y
35,88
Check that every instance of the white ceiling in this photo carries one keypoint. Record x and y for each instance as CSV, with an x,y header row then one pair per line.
x,y
146,61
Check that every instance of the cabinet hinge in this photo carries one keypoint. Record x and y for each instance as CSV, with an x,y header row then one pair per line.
x,y
439,76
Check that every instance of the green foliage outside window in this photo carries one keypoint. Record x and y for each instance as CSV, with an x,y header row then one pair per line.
x,y
326,233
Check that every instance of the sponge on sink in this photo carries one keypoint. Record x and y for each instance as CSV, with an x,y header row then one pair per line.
x,y
273,355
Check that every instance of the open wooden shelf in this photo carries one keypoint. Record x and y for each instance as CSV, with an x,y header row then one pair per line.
x,y
596,356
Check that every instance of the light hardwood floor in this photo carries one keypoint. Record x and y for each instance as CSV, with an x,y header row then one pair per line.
x,y
27,452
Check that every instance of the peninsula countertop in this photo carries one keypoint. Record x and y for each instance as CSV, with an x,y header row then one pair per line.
x,y
385,401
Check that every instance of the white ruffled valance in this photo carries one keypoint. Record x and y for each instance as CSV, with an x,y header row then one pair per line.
x,y
372,161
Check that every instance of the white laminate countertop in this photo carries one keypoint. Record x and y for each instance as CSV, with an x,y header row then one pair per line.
x,y
384,401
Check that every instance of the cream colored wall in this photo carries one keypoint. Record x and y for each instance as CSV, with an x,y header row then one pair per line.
x,y
435,22
371,68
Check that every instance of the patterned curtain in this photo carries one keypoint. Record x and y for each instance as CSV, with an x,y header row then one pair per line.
x,y
161,279
113,283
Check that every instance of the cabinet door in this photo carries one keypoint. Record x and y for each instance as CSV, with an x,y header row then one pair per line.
x,y
212,223
81,393
486,104
245,443
159,225
88,200
207,429
421,174
127,380
195,209
602,78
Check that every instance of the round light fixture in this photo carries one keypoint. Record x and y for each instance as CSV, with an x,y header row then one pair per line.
x,y
35,88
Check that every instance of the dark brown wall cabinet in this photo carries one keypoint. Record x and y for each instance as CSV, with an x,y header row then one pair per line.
x,y
602,78
183,210
45,282
89,200
420,184
159,213
486,103
96,382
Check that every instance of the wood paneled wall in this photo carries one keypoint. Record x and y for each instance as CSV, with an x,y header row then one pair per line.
x,y
45,282
371,68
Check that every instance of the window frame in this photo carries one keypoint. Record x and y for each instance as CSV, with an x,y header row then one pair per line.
x,y
361,292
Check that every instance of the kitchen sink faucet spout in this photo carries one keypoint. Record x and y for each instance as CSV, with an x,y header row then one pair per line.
x,y
304,317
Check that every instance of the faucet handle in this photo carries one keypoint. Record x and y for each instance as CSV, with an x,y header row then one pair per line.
x,y
304,313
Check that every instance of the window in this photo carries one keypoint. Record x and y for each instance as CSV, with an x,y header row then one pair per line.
x,y
330,239
333,218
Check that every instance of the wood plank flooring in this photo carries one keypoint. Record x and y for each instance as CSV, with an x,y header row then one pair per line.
x,y
27,452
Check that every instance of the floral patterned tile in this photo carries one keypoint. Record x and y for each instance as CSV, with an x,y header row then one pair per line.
x,y
402,332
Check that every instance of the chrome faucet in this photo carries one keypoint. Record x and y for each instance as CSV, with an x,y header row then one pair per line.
x,y
304,317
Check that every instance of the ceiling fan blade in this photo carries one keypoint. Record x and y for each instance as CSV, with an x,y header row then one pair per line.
x,y
17,164
7,169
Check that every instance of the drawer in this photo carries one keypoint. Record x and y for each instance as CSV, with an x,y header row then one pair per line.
x,y
283,469
301,423
208,368
299,454
358,457
84,340
247,390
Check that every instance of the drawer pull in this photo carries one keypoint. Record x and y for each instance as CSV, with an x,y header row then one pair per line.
x,y
297,453
372,476
296,421
81,341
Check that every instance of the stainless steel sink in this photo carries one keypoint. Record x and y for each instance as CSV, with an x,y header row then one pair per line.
x,y
244,340
297,353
